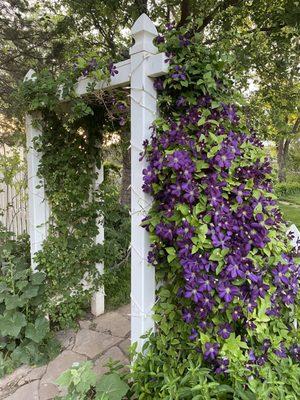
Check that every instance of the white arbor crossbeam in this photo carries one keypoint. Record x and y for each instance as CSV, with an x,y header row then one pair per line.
x,y
138,72
156,65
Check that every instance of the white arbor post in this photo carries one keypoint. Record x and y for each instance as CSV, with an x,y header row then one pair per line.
x,y
38,210
98,300
143,113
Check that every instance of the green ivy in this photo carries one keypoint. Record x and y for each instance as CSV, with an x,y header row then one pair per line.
x,y
69,254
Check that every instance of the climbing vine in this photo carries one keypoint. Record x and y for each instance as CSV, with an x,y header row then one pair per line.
x,y
226,310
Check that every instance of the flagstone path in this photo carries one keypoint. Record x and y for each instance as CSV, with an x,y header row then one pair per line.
x,y
98,340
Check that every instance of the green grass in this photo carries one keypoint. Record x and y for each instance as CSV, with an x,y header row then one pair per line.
x,y
292,198
291,211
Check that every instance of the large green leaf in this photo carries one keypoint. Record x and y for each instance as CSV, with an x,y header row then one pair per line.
x,y
38,330
111,386
31,292
13,301
12,323
37,278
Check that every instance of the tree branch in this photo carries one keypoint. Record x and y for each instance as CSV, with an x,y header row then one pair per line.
x,y
221,7
296,126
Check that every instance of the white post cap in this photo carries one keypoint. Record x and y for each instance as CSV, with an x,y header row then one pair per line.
x,y
30,75
143,32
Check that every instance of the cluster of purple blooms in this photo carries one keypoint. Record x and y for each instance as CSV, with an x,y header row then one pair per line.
x,y
91,65
238,224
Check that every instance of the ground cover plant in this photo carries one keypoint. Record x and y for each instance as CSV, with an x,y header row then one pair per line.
x,y
25,336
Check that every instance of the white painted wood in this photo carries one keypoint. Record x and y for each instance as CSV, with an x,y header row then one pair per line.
x,y
157,65
122,78
296,236
143,113
98,300
38,209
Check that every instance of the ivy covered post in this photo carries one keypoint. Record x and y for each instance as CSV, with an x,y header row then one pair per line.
x,y
38,210
98,300
143,113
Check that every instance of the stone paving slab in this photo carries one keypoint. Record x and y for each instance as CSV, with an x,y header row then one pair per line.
x,y
113,324
99,340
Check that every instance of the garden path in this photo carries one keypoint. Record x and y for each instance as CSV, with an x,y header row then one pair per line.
x,y
97,339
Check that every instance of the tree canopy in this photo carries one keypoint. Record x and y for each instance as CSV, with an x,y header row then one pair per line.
x,y
260,35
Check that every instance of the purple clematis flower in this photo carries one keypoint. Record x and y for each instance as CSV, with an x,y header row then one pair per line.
x,y
220,239
224,158
192,292
279,274
191,193
237,313
211,351
187,316
225,331
281,351
241,193
222,366
205,283
113,69
227,291
164,231
194,334
181,101
234,268
179,73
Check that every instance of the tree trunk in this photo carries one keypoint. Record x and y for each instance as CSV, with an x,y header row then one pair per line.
x,y
282,156
142,6
185,11
125,195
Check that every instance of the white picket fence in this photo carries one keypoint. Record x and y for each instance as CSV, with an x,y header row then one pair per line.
x,y
13,209
13,189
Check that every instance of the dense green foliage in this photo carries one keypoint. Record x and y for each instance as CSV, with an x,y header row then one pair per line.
x,y
116,249
24,329
261,37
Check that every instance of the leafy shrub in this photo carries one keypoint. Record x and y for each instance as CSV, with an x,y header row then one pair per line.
x,y
285,189
24,329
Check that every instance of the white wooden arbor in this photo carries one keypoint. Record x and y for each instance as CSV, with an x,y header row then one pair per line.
x,y
145,63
